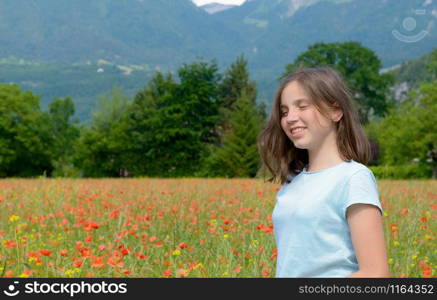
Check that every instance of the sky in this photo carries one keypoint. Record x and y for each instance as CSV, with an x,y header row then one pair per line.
x,y
202,2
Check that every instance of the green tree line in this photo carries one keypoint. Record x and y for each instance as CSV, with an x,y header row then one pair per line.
x,y
202,123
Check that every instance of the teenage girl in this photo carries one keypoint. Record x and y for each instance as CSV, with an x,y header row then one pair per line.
x,y
327,217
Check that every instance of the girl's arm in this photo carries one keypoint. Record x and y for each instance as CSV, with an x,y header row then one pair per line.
x,y
366,228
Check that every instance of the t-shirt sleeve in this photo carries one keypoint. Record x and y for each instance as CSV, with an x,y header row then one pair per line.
x,y
362,188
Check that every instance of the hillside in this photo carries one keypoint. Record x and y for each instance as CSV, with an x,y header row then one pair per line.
x,y
61,35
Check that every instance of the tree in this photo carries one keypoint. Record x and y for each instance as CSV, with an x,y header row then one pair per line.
x,y
65,133
360,68
144,125
25,139
236,78
238,155
171,123
103,149
432,67
409,132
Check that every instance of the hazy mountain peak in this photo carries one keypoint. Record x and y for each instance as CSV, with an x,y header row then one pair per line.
x,y
215,7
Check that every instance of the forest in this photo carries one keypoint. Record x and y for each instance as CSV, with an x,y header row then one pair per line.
x,y
198,122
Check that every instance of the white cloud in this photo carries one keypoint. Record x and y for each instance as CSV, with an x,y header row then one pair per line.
x,y
202,2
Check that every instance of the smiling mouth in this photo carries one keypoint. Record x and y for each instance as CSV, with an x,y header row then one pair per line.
x,y
297,132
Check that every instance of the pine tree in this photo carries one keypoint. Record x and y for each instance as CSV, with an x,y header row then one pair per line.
x,y
238,155
236,79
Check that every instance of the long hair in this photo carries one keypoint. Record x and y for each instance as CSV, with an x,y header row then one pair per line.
x,y
326,88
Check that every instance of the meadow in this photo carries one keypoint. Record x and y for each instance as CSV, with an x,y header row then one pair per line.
x,y
180,227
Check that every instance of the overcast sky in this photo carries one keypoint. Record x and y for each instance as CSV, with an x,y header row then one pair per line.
x,y
202,2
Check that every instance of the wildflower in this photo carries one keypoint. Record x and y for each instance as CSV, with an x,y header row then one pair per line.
x,y
390,260
14,218
45,252
77,263
225,236
237,270
423,219
182,273
97,262
64,253
182,245
274,254
199,265
176,252
166,273
404,211
32,259
396,243
266,273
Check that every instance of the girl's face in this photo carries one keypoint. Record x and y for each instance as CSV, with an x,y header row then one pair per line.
x,y
298,111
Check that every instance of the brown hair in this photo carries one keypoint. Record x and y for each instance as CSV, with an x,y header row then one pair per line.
x,y
325,87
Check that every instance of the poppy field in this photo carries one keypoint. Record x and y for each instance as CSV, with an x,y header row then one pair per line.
x,y
180,227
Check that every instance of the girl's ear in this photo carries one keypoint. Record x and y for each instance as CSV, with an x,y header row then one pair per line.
x,y
336,113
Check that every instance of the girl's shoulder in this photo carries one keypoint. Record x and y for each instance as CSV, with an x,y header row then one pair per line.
x,y
356,168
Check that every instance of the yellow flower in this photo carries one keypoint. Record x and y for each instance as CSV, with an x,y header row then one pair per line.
x,y
428,214
23,275
213,221
412,265
414,256
32,259
385,214
225,236
414,243
71,272
199,265
390,260
396,243
14,218
176,252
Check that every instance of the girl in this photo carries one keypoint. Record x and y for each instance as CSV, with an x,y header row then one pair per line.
x,y
327,218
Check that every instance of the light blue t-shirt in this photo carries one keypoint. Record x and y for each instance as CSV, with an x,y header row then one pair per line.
x,y
310,226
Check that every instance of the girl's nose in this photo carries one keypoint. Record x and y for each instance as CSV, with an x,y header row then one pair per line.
x,y
292,116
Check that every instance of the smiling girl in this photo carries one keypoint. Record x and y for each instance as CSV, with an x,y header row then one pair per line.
x,y
328,217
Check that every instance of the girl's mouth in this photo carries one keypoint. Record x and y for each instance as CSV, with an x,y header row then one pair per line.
x,y
298,132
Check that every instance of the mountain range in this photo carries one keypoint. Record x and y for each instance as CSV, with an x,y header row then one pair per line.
x,y
163,34
214,7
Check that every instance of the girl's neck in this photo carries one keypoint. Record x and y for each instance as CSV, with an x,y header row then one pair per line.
x,y
324,156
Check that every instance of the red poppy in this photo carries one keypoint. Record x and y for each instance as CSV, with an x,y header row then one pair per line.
x,y
45,252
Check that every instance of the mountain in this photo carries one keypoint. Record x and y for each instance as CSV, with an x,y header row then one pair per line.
x,y
213,8
154,32
163,34
410,74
